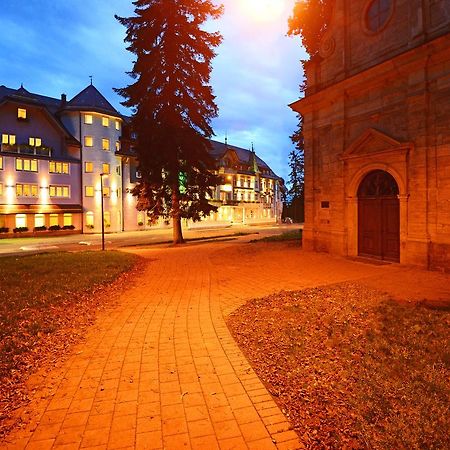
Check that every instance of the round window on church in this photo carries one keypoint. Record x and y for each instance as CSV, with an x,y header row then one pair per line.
x,y
378,13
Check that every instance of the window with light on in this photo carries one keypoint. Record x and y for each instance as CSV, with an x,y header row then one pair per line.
x,y
21,113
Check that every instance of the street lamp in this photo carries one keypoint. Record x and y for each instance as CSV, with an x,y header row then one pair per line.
x,y
103,214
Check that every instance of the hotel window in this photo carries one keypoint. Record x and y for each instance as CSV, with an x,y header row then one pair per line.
x,y
117,125
90,219
21,220
21,113
88,167
107,218
106,191
105,144
105,168
67,220
118,170
26,190
88,119
89,191
9,139
1,189
105,121
35,141
39,220
59,191
27,165
54,220
117,146
88,141
58,167
1,162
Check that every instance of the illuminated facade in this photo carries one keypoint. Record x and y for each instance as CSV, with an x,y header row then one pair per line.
x,y
57,155
377,136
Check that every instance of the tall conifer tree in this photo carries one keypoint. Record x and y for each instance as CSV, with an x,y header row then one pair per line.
x,y
172,106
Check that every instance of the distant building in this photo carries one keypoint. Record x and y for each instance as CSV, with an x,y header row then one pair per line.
x,y
55,153
377,133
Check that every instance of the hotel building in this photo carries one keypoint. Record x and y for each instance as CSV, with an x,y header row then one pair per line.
x,y
57,157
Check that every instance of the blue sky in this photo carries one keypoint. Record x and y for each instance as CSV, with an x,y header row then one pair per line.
x,y
53,46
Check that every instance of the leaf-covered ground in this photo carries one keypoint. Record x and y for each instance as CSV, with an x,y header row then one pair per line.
x,y
352,368
46,303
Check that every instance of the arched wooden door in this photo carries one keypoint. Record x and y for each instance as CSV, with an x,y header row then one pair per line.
x,y
379,217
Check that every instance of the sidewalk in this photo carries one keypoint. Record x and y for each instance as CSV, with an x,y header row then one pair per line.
x,y
161,369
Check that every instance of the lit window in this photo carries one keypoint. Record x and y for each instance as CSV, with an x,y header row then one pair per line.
x,y
21,113
105,121
105,144
67,220
1,189
88,141
59,191
88,167
9,139
54,220
117,146
27,165
21,220
89,191
88,119
35,141
26,190
1,162
106,191
39,220
58,167
107,218
105,168
90,219
117,125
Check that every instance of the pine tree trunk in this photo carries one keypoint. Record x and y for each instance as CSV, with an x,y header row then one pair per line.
x,y
176,218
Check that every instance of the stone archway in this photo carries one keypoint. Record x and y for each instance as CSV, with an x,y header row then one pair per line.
x,y
379,216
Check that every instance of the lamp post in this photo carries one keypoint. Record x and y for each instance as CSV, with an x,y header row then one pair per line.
x,y
103,214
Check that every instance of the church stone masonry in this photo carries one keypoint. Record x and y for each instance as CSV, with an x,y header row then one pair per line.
x,y
377,133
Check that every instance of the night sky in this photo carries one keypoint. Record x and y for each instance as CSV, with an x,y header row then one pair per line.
x,y
53,46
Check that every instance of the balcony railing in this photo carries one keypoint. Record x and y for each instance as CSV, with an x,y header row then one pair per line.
x,y
25,149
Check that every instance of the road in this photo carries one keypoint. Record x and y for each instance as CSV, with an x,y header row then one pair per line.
x,y
79,242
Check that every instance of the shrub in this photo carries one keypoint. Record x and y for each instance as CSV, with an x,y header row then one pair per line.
x,y
42,228
69,227
20,229
4,230
54,228
90,227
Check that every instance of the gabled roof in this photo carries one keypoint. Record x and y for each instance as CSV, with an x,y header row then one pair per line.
x,y
219,149
21,95
90,99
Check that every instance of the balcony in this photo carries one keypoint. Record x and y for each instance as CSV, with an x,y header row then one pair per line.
x,y
25,149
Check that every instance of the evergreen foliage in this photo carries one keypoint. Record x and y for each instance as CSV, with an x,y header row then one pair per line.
x,y
172,106
297,163
310,20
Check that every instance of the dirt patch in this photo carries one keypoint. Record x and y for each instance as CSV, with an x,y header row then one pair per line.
x,y
350,367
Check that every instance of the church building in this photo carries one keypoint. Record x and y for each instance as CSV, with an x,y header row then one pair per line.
x,y
377,133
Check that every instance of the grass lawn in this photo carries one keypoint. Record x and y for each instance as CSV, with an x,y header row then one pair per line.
x,y
352,368
292,235
42,294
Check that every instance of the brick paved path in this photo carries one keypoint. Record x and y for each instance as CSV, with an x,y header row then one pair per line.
x,y
161,369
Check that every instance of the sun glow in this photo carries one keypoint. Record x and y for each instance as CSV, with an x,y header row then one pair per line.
x,y
264,10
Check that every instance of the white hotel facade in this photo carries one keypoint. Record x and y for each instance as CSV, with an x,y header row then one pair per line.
x,y
55,154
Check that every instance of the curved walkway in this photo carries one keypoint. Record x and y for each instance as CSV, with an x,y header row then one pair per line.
x,y
161,370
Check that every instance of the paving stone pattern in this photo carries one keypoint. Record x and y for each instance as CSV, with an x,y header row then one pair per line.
x,y
161,371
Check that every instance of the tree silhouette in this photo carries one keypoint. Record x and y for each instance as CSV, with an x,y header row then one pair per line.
x,y
172,106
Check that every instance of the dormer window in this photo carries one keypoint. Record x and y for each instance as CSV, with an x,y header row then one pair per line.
x,y
21,113
105,121
88,119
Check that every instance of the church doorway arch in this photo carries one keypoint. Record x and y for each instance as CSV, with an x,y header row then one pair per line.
x,y
379,216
